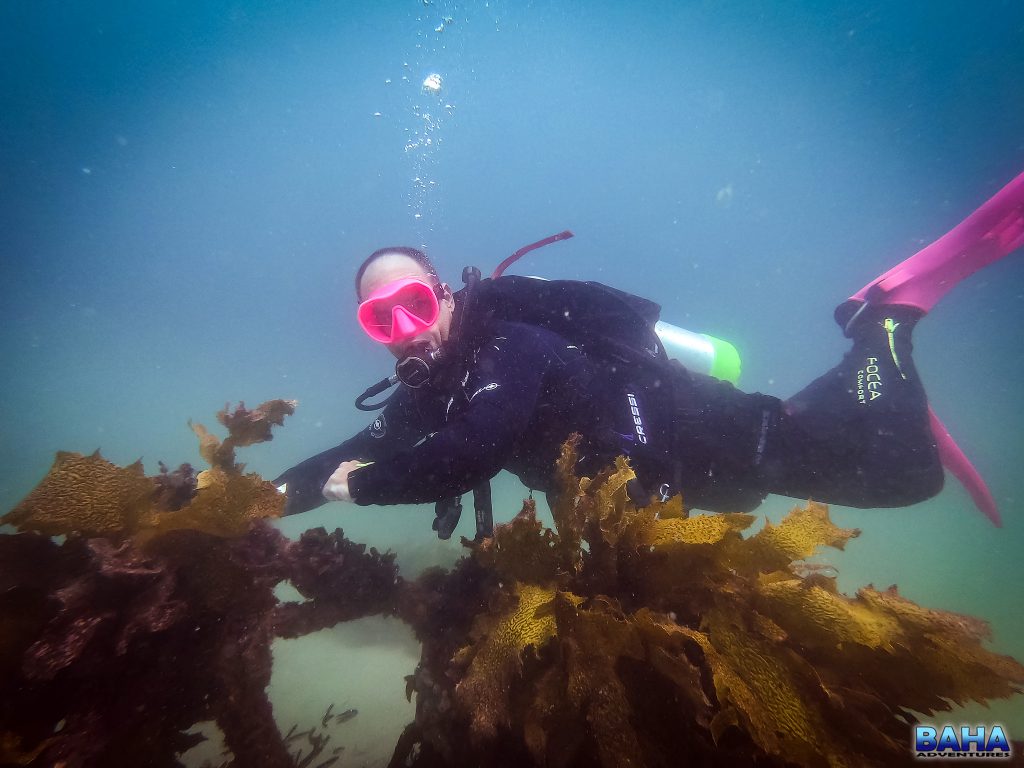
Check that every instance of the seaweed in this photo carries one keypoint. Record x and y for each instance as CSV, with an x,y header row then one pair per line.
x,y
316,741
244,427
642,636
89,496
625,635
157,611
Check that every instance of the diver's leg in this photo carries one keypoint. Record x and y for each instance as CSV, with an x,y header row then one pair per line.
x,y
860,434
994,230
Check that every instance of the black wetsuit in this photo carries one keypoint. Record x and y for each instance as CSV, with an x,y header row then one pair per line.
x,y
857,436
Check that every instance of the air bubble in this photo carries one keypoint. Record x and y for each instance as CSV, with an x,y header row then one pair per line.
x,y
432,83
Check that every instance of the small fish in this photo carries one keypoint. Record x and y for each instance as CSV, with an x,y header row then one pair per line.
x,y
345,716
327,716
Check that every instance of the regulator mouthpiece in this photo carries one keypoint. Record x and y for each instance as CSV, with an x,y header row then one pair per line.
x,y
418,367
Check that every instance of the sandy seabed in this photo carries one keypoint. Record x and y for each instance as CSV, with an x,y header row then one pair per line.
x,y
358,665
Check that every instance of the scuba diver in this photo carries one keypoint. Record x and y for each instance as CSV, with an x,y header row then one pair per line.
x,y
500,373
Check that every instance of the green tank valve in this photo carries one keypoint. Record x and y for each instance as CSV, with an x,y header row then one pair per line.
x,y
700,352
726,363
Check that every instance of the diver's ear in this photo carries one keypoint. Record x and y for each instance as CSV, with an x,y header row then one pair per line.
x,y
447,296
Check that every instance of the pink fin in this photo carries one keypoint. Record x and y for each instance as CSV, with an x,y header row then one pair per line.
x,y
960,466
993,231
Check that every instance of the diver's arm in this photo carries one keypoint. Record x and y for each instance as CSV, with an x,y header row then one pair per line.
x,y
398,426
471,448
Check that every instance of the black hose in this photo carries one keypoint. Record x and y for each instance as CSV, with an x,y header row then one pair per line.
x,y
375,390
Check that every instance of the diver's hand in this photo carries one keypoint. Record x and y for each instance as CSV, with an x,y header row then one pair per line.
x,y
336,487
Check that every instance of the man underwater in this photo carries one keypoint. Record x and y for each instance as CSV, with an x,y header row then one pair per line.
x,y
499,374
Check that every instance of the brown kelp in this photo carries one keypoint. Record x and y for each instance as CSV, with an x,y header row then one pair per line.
x,y
89,496
642,636
157,611
623,636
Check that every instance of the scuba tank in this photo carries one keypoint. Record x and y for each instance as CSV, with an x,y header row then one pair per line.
x,y
700,352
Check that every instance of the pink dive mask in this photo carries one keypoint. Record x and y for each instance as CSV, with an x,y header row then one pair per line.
x,y
399,310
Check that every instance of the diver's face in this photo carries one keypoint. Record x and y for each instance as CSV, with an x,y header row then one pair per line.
x,y
388,269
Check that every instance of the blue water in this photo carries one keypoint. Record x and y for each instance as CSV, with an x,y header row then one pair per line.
x,y
187,187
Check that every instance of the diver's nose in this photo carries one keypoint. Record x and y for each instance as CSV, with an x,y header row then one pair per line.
x,y
403,325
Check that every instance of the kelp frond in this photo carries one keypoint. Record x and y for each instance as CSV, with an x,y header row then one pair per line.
x,y
89,496
632,636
